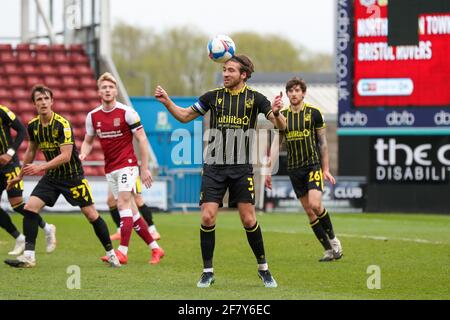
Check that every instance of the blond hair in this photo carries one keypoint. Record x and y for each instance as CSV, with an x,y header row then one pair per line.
x,y
106,77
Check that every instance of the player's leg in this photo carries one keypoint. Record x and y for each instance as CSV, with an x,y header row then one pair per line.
x,y
112,204
145,211
7,224
101,230
207,242
18,205
30,228
141,228
213,189
256,242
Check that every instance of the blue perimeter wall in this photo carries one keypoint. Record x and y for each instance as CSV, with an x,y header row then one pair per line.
x,y
161,127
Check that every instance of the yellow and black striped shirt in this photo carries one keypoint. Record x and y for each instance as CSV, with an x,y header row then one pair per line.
x,y
50,138
300,136
9,120
234,115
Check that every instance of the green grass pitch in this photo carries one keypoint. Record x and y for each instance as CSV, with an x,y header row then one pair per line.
x,y
411,251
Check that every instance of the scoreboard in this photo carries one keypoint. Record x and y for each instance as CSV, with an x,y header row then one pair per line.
x,y
393,66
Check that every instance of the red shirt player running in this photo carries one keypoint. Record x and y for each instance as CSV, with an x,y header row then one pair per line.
x,y
115,125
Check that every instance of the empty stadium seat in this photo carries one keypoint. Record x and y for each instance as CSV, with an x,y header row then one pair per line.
x,y
30,69
17,81
43,57
32,81
66,71
88,82
11,68
5,47
7,56
47,69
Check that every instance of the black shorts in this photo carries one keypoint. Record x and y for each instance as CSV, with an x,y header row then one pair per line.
x,y
76,191
8,172
237,178
305,179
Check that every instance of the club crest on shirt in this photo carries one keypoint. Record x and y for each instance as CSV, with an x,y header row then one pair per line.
x,y
116,122
99,124
307,116
55,133
249,103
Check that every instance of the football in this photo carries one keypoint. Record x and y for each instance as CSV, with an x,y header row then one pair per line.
x,y
221,48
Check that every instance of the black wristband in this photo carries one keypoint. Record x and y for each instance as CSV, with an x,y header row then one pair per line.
x,y
276,114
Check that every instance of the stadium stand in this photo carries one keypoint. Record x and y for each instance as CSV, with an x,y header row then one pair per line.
x,y
66,71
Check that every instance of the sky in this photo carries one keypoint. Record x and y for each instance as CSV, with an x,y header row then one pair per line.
x,y
304,22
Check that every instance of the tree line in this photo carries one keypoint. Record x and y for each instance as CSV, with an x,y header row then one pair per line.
x,y
177,58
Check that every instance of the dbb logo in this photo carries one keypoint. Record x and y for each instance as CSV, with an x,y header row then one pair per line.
x,y
400,119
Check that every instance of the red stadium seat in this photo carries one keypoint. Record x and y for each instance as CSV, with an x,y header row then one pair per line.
x,y
4,82
65,69
58,94
24,57
88,82
7,102
80,119
52,82
5,94
30,69
58,48
90,94
70,82
7,56
32,81
60,58
25,106
5,47
76,48
74,94
17,81
11,68
43,57
79,59
84,70
27,116
47,69
80,106
41,48
23,47
62,107
19,93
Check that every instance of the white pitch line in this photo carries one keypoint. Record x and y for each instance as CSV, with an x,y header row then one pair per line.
x,y
363,236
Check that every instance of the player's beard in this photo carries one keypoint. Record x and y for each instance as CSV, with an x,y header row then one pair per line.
x,y
231,83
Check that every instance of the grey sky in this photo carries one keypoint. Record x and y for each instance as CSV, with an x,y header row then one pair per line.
x,y
304,22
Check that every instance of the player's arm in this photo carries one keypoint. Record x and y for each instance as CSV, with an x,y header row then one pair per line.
x,y
86,146
323,149
88,142
21,134
276,117
183,115
63,157
146,176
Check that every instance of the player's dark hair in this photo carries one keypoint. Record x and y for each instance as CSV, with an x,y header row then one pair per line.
x,y
246,65
39,88
296,82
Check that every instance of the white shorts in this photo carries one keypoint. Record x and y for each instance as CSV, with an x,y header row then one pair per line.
x,y
123,180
